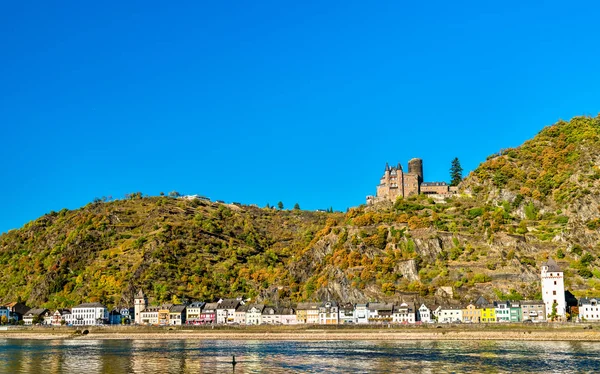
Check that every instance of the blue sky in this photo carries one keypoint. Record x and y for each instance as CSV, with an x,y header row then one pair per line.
x,y
259,102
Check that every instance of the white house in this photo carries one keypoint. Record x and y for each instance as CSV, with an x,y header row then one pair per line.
x,y
346,312
177,315
89,314
226,310
328,313
270,316
450,314
380,312
254,314
312,316
424,314
589,310
553,289
404,313
361,314
149,316
35,314
288,316
502,311
240,314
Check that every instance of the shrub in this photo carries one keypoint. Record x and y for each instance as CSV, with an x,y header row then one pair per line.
x,y
527,261
481,278
474,212
585,273
531,211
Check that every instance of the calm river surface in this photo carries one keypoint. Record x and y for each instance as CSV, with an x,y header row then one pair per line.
x,y
188,356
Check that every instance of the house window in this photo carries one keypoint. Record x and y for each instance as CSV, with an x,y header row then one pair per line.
x,y
555,283
553,292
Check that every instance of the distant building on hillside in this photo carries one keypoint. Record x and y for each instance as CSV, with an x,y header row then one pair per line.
x,y
395,183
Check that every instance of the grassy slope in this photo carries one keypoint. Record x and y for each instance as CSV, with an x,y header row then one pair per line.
x,y
517,208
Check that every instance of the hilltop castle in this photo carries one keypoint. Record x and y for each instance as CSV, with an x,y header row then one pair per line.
x,y
395,182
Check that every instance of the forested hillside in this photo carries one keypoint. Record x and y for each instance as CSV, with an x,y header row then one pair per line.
x,y
518,207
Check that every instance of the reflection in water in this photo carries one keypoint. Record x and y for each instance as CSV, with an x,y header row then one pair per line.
x,y
190,356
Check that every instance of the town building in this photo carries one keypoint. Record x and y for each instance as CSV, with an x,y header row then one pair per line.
x,y
149,316
516,312
471,314
240,314
17,310
502,311
424,314
346,312
4,314
226,310
329,313
163,314
450,314
307,313
254,314
193,312
61,317
533,310
553,290
270,316
488,313
35,316
361,314
380,312
89,314
404,313
114,317
177,315
288,316
589,310
209,313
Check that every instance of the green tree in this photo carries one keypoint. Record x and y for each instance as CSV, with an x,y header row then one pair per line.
x,y
455,172
280,205
296,206
4,320
553,314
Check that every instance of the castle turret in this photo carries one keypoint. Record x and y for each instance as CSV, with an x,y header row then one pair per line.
x,y
415,166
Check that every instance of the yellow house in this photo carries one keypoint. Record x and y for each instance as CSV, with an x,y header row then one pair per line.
x,y
163,314
488,313
471,314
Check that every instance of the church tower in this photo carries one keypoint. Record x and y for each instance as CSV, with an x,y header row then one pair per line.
x,y
140,304
553,289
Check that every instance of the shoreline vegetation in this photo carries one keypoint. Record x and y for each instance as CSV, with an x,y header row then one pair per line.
x,y
554,332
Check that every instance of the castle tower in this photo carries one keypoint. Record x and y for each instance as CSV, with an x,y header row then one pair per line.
x,y
553,288
415,166
140,304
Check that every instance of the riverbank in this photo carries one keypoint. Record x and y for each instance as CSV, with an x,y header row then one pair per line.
x,y
315,334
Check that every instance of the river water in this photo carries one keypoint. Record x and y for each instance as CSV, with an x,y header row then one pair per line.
x,y
192,356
